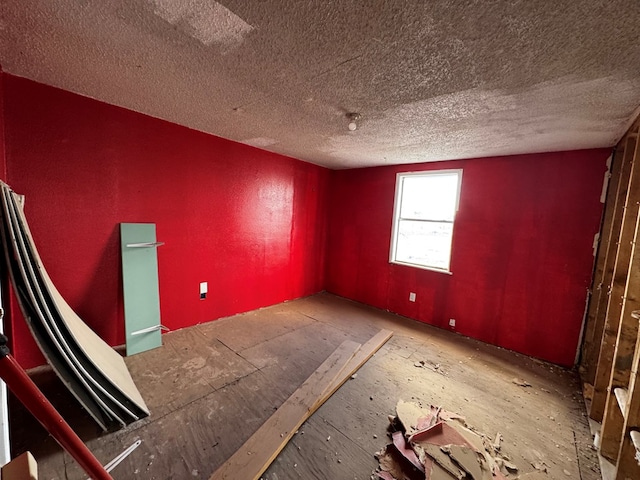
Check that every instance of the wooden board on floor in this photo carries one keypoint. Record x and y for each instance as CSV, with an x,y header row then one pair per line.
x,y
253,458
360,358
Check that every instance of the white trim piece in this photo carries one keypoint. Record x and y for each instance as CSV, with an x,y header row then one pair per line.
x,y
145,245
150,329
605,182
622,396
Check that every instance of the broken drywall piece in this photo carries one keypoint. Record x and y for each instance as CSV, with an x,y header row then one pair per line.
x,y
411,415
443,444
470,461
496,442
405,450
439,457
446,416
469,435
439,473
392,462
441,434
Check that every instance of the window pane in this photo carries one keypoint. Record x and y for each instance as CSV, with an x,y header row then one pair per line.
x,y
430,197
424,243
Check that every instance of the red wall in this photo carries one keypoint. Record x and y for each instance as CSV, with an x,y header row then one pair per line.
x,y
253,224
249,222
522,249
3,165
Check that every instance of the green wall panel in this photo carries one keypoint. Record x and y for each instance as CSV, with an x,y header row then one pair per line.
x,y
140,285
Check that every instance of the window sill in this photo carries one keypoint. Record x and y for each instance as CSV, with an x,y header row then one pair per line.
x,y
421,267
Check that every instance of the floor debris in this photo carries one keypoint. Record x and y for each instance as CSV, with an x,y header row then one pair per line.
x,y
434,444
521,383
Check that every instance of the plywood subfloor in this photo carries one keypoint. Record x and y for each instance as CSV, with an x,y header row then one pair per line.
x,y
211,386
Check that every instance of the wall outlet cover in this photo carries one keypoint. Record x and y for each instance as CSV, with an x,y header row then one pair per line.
x,y
204,287
412,297
452,322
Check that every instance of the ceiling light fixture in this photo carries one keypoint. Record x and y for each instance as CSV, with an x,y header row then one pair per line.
x,y
353,120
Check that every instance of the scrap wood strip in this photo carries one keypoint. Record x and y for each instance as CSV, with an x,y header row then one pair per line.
x,y
255,456
360,358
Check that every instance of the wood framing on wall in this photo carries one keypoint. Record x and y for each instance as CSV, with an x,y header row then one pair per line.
x,y
610,355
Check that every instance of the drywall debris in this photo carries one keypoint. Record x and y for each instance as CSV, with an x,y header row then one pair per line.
x,y
496,442
540,466
413,418
509,466
471,462
400,442
436,367
433,444
393,466
521,383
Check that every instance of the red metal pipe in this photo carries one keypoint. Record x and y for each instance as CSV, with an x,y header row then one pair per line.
x,y
33,399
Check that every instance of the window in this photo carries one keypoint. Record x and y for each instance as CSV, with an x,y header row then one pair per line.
x,y
425,208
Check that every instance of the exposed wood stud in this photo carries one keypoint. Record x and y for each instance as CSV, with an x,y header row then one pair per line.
x,y
619,287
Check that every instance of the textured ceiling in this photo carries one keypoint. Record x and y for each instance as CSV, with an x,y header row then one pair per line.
x,y
432,80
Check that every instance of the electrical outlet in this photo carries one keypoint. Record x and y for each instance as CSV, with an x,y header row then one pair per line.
x,y
412,296
204,288
452,322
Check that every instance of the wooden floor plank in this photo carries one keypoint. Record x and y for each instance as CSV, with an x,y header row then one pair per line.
x,y
315,342
185,369
249,329
255,456
321,451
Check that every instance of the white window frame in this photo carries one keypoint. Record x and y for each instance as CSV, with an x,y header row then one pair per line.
x,y
400,176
